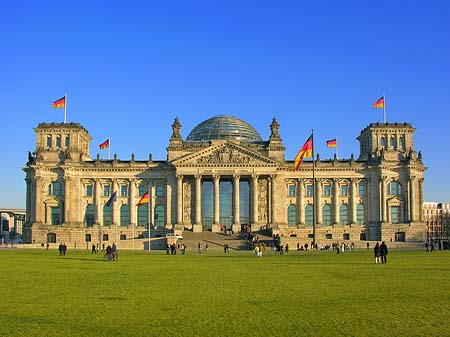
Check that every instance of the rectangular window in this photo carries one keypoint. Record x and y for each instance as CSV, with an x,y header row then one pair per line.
x,y
159,191
344,190
141,190
67,143
106,190
395,214
49,141
327,190
123,191
309,190
89,190
58,141
361,189
292,190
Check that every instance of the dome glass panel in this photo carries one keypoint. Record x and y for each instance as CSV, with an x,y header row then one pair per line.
x,y
224,127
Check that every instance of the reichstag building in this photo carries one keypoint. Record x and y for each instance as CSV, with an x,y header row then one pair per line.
x,y
223,175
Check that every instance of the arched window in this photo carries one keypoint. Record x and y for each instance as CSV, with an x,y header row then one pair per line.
x,y
309,215
383,142
395,188
160,220
343,214
292,216
392,141
402,142
107,215
326,215
142,215
124,215
360,214
56,188
89,216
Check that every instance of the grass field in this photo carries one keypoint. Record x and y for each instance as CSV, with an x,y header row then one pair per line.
x,y
307,294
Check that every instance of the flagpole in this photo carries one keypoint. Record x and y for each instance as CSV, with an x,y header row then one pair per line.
x,y
337,155
109,148
313,191
132,229
384,109
149,219
65,106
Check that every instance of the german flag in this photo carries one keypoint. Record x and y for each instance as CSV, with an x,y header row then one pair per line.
x,y
305,152
144,199
331,143
104,145
60,103
379,103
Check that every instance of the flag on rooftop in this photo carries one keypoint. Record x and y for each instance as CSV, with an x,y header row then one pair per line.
x,y
379,103
104,145
332,143
305,152
60,103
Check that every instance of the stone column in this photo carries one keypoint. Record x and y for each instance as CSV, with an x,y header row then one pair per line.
x,y
335,202
236,205
168,205
40,207
300,208
66,212
353,202
254,221
411,200
28,208
150,202
383,199
115,206
132,202
98,214
197,226
179,200
216,224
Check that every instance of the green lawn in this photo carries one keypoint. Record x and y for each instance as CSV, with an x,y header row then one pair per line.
x,y
307,294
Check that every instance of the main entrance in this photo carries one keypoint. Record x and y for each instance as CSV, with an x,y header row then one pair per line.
x,y
226,205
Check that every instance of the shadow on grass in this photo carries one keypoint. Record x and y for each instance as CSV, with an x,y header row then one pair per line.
x,y
83,259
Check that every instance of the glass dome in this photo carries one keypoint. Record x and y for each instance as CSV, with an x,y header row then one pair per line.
x,y
224,127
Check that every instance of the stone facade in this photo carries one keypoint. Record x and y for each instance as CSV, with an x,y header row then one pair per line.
x,y
209,184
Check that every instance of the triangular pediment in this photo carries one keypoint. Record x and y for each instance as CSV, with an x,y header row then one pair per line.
x,y
225,154
394,201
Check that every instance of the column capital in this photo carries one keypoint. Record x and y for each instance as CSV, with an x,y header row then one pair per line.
x,y
198,176
179,176
216,177
255,176
236,176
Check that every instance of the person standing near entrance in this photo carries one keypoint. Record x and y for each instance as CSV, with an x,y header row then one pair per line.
x,y
383,252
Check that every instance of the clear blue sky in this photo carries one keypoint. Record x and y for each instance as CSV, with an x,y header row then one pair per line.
x,y
129,68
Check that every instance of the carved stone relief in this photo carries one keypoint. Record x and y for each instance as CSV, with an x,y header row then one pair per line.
x,y
225,155
262,199
187,202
